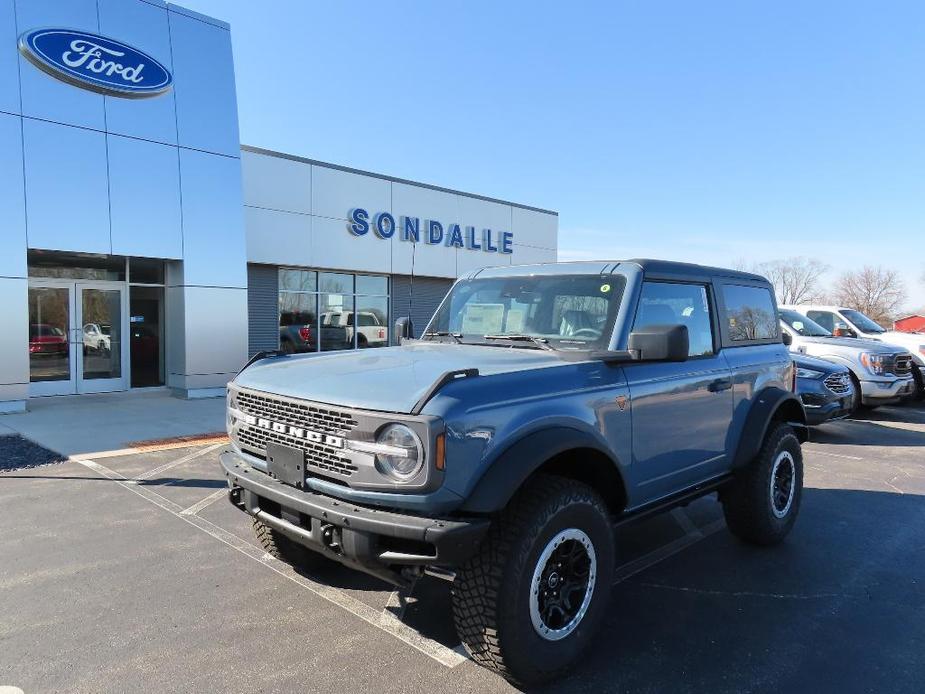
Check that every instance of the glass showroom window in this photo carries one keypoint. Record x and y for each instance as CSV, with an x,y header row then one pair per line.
x,y
326,311
298,311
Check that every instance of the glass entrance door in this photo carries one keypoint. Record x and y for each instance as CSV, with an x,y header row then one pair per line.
x,y
101,309
75,337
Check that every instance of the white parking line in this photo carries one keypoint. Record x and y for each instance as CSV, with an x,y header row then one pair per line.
x,y
437,651
149,474
385,619
813,449
199,505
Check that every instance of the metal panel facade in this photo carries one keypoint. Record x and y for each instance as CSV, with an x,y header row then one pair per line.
x,y
262,308
67,187
428,293
298,212
89,173
145,210
146,27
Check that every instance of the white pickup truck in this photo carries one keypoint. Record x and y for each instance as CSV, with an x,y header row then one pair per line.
x,y
373,332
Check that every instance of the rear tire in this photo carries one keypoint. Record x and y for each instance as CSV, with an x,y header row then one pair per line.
x,y
278,545
528,604
763,501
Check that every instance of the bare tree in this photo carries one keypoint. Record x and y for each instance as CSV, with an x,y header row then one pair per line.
x,y
795,280
875,291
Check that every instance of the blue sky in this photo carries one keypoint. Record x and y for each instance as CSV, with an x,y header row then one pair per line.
x,y
707,132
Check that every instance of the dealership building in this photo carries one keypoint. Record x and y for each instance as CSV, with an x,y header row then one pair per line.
x,y
142,246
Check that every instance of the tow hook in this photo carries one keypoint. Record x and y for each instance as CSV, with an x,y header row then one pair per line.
x,y
331,538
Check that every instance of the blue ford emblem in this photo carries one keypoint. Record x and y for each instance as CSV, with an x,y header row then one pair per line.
x,y
95,62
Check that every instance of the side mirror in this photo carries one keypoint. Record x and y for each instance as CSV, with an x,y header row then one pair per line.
x,y
660,343
786,338
403,328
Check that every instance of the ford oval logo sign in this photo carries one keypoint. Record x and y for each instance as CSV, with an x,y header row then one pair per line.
x,y
95,62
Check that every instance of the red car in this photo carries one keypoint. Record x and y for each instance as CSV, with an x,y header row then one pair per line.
x,y
46,339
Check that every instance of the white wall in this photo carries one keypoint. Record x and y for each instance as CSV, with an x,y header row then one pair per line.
x,y
157,177
296,213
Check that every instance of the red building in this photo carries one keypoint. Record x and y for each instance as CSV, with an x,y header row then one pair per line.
x,y
910,324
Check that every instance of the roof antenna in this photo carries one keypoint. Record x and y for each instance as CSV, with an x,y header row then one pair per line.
x,y
414,245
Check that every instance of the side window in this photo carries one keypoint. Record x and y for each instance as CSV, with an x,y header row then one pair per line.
x,y
750,313
665,303
824,318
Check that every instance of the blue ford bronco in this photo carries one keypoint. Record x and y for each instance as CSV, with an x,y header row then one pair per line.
x,y
543,406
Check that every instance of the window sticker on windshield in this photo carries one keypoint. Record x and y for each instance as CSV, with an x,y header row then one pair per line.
x,y
483,319
605,288
515,321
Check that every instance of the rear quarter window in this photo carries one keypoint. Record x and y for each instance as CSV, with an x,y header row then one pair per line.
x,y
750,314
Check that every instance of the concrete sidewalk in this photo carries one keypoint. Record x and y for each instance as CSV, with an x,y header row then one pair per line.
x,y
111,421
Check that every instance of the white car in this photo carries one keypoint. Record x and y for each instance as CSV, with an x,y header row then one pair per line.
x,y
97,337
372,332
846,322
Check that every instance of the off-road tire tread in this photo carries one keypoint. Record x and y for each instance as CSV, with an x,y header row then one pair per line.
x,y
278,545
478,583
747,516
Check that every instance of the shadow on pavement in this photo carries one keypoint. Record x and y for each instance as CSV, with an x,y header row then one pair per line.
x,y
838,607
18,453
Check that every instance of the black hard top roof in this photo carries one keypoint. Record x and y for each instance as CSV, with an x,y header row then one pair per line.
x,y
666,269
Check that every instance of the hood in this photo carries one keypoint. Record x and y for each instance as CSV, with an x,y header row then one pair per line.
x,y
855,342
807,362
388,379
911,342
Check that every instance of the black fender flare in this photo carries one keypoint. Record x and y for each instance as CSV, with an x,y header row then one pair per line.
x,y
510,469
766,406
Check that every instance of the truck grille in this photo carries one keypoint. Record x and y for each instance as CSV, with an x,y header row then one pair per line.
x,y
296,413
840,384
327,460
902,364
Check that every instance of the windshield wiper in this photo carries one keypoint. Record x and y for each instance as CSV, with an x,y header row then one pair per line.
x,y
540,342
444,333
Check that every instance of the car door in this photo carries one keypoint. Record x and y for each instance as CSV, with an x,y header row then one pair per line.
x,y
681,411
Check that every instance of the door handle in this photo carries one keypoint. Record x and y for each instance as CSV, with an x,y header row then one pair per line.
x,y
720,384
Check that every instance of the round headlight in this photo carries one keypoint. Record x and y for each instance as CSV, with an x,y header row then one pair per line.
x,y
406,458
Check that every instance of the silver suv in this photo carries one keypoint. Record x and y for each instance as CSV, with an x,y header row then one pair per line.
x,y
882,373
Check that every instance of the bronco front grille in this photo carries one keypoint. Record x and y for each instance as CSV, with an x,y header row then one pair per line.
x,y
840,384
326,460
296,413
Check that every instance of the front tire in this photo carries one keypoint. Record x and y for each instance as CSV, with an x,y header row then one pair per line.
x,y
278,545
528,604
763,501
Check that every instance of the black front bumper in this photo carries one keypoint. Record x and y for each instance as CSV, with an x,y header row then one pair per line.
x,y
821,404
376,541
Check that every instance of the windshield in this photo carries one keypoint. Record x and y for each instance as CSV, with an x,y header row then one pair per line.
x,y
566,311
863,322
802,325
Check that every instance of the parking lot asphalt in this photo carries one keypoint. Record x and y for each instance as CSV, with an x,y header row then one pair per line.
x,y
133,572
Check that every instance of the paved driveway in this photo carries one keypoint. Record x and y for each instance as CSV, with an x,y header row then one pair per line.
x,y
132,572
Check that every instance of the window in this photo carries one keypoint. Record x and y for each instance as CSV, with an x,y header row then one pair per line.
x,y
802,325
750,313
824,318
665,303
571,312
325,311
862,321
